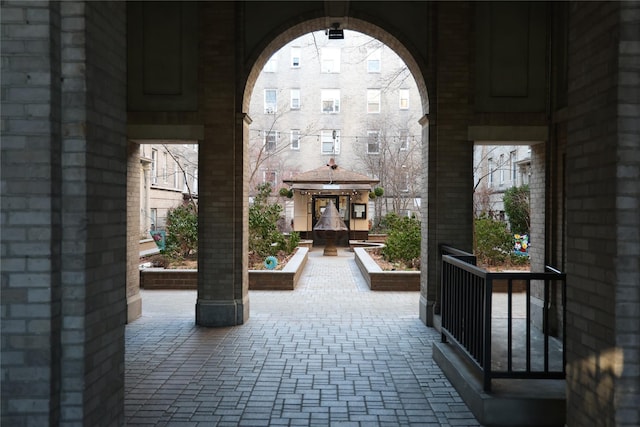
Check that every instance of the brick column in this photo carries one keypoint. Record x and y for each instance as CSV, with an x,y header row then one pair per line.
x,y
222,278
134,300
449,154
94,206
64,165
31,225
603,225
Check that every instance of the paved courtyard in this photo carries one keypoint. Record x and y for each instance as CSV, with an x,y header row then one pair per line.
x,y
330,353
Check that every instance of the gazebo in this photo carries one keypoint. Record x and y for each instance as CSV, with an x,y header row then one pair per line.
x,y
349,192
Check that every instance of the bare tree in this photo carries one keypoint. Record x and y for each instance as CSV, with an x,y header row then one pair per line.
x,y
486,164
394,157
268,144
187,166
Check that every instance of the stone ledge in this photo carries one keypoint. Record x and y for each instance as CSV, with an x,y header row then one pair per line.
x,y
161,278
280,280
379,280
526,403
285,279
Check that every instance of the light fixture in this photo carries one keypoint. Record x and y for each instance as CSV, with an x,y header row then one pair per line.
x,y
335,33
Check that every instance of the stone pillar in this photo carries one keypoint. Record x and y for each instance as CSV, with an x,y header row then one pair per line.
x,y
31,225
222,276
63,213
448,154
145,212
603,225
538,233
134,300
94,212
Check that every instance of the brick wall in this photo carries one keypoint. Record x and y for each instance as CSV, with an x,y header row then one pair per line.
x,y
63,222
168,279
30,213
223,195
602,215
448,154
627,260
134,172
94,167
538,192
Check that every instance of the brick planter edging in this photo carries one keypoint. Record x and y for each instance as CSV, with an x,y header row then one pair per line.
x,y
380,280
280,280
285,279
161,278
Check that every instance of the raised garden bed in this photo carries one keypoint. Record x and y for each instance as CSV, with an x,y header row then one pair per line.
x,y
380,280
285,279
280,280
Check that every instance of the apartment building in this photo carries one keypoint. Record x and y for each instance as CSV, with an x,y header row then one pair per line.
x,y
496,169
168,177
351,99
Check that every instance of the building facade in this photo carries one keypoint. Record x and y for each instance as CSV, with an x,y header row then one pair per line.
x,y
496,168
77,100
351,99
169,176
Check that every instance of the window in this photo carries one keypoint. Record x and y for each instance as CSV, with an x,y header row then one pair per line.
x,y
272,65
404,140
295,57
330,141
270,141
271,177
154,166
185,182
330,60
154,218
295,139
405,182
490,167
165,168
514,167
501,166
373,142
176,175
373,61
404,99
194,182
373,100
330,99
270,101
295,99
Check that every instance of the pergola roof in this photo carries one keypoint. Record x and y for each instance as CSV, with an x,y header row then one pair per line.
x,y
326,175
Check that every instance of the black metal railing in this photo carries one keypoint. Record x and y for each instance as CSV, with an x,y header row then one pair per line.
x,y
495,330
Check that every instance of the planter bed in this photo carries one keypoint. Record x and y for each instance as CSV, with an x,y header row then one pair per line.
x,y
161,278
380,280
285,279
280,280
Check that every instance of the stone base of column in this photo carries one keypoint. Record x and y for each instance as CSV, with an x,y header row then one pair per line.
x,y
427,312
221,313
134,307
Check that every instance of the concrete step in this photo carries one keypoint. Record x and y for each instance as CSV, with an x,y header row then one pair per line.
x,y
511,402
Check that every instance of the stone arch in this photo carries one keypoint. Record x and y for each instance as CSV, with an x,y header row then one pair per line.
x,y
402,45
261,55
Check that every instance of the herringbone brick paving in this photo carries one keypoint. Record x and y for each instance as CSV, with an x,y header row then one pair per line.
x,y
329,353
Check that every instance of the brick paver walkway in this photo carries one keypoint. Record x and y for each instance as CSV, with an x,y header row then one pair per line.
x,y
329,353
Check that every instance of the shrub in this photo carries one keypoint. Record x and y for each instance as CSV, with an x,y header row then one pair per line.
x,y
516,206
286,192
403,240
264,237
182,232
493,243
389,221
